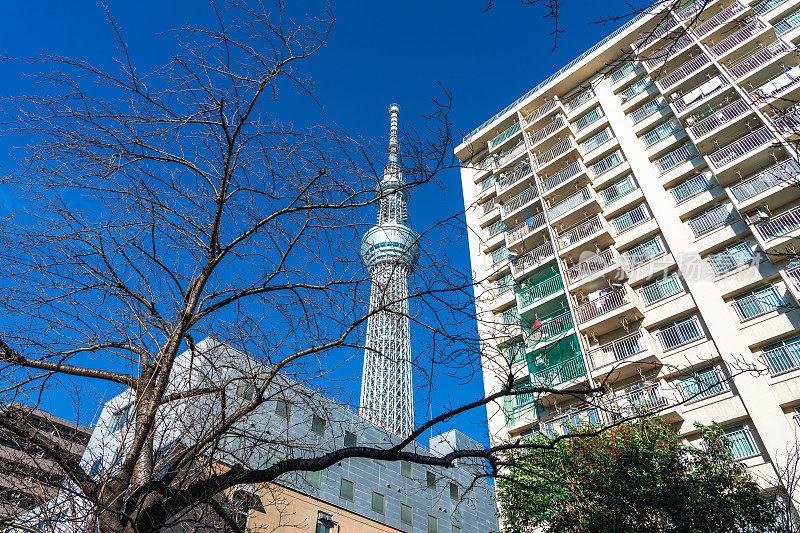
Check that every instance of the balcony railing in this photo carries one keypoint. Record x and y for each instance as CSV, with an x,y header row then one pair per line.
x,y
541,111
549,129
646,110
780,225
583,230
635,88
508,155
590,266
700,92
602,305
617,190
690,188
553,152
720,118
486,183
776,84
667,24
783,173
690,10
673,48
510,316
680,333
589,118
741,443
719,19
618,349
596,140
500,255
706,221
631,219
529,226
525,197
683,71
762,7
737,38
566,173
789,122
548,328
534,257
579,100
735,150
793,273
787,23
660,289
674,158
486,207
621,72
731,257
543,289
783,357
570,202
757,58
642,253
494,229
521,171
660,132
514,128
607,163
647,398
758,303
560,373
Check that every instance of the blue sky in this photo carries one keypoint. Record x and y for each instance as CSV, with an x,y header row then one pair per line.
x,y
378,53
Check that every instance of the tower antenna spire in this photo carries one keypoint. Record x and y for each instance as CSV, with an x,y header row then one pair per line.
x,y
394,145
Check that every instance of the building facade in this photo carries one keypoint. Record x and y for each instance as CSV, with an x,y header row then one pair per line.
x,y
633,222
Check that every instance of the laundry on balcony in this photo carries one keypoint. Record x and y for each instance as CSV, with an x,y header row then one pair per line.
x,y
707,88
775,85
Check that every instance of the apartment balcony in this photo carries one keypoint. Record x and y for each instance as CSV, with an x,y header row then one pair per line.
x,y
788,123
676,158
682,333
560,373
488,210
690,99
623,356
598,145
647,397
589,234
493,234
778,230
545,160
646,259
783,357
515,180
558,125
791,276
580,103
619,196
608,169
589,122
778,89
651,37
510,156
779,179
595,271
539,294
724,117
483,166
788,23
707,221
538,115
750,145
520,237
659,58
554,182
691,187
731,258
648,114
545,330
530,261
486,187
505,136
662,137
574,206
723,17
603,314
684,73
637,92
771,9
520,206
740,37
628,70
525,412
632,225
759,58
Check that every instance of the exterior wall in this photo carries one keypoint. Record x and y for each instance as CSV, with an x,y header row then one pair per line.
x,y
689,134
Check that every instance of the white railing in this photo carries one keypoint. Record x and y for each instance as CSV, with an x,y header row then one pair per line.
x,y
525,197
618,349
581,231
730,258
789,123
715,217
607,163
690,10
738,148
602,305
647,398
596,140
559,373
529,226
762,7
534,257
783,358
500,255
589,118
783,173
622,71
673,48
719,118
757,58
541,111
617,190
660,289
642,253
552,326
494,229
720,18
590,266
646,110
681,333
683,71
674,158
554,151
552,127
631,219
579,100
793,273
514,128
737,38
690,187
787,23
667,24
505,157
758,303
661,132
780,225
543,289
488,206
570,202
521,171
566,173
776,84
635,88
699,93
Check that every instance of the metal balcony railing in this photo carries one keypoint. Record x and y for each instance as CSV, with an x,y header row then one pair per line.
x,y
680,333
602,305
780,225
741,443
793,273
646,398
581,231
683,71
635,88
735,150
787,23
566,173
643,252
485,163
667,24
617,190
510,316
783,357
619,349
570,202
783,173
758,303
525,197
690,10
494,229
486,183
508,155
674,158
520,171
596,140
719,19
543,289
549,129
589,118
720,118
559,373
592,265
504,284
757,58
529,226
514,128
524,398
705,89
548,328
631,219
738,38
534,257
573,420
607,163
486,207
661,132
659,289
690,188
500,255
560,148
621,72
579,100
767,5
776,84
673,48
788,123
731,257
715,217
541,111
646,110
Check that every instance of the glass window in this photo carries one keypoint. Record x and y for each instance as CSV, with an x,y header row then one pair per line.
x,y
245,389
283,409
318,425
703,383
378,502
120,418
95,468
406,514
455,529
433,524
325,523
431,478
740,442
313,478
453,490
350,439
405,469
347,489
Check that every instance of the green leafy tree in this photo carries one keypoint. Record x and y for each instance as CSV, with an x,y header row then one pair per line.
x,y
635,477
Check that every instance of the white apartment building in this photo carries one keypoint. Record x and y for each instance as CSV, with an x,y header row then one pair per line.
x,y
633,221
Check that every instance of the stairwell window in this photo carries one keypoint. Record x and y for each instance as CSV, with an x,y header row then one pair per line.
x,y
283,409
318,426
378,502
453,491
347,490
245,389
120,418
406,514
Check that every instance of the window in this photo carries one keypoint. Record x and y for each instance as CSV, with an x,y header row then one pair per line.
x,y
378,502
731,257
431,478
325,523
783,356
455,529
350,439
433,524
630,218
162,459
314,478
704,383
680,333
405,469
283,409
318,426
347,489
95,468
660,289
757,303
245,389
740,442
120,418
453,490
275,457
406,514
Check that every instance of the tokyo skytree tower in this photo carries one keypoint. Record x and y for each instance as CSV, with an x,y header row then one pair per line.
x,y
390,250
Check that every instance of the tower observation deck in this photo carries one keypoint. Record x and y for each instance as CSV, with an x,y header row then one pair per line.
x,y
390,250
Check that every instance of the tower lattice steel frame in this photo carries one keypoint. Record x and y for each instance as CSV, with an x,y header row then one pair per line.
x,y
390,250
